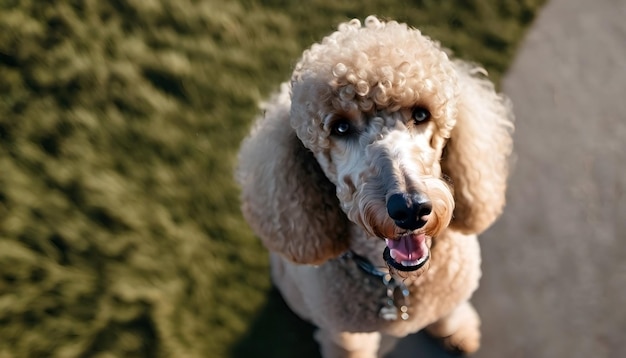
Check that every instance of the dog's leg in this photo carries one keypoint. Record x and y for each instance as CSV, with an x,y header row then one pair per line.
x,y
348,345
460,330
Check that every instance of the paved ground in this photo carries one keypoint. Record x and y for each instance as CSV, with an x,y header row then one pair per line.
x,y
554,281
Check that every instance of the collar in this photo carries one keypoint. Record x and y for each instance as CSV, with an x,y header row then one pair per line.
x,y
366,265
389,309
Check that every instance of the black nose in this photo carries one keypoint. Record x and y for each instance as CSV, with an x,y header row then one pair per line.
x,y
408,210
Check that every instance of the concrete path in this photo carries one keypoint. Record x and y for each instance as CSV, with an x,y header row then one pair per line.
x,y
554,282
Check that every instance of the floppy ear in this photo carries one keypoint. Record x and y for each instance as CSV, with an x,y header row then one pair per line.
x,y
477,153
286,198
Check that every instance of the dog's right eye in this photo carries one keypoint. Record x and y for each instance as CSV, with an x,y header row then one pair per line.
x,y
420,115
341,128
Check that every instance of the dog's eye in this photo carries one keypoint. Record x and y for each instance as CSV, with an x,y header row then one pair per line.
x,y
420,115
341,128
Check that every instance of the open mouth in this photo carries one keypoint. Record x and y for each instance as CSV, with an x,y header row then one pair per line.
x,y
408,252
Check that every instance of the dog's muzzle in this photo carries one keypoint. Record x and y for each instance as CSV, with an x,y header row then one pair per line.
x,y
409,251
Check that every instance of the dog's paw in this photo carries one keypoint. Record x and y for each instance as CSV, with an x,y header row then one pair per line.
x,y
466,340
459,332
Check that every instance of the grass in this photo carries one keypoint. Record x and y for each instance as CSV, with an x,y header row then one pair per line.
x,y
120,231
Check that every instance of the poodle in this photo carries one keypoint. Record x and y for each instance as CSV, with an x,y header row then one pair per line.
x,y
369,177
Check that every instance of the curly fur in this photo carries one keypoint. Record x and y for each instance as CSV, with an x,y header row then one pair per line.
x,y
311,194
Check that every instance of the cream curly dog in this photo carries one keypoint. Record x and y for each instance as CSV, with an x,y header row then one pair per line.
x,y
368,178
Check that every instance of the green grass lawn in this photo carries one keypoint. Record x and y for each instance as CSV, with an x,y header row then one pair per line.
x,y
120,231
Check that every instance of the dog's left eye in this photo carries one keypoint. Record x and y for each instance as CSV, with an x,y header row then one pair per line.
x,y
420,115
341,128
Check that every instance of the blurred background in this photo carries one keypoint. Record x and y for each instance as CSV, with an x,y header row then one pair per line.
x,y
120,230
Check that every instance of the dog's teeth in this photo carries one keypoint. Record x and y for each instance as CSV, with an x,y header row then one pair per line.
x,y
412,263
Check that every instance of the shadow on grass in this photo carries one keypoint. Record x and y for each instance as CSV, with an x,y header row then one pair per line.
x,y
278,333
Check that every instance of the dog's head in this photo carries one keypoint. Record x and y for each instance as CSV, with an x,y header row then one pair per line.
x,y
399,135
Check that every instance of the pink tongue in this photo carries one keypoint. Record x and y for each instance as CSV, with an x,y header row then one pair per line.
x,y
408,248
